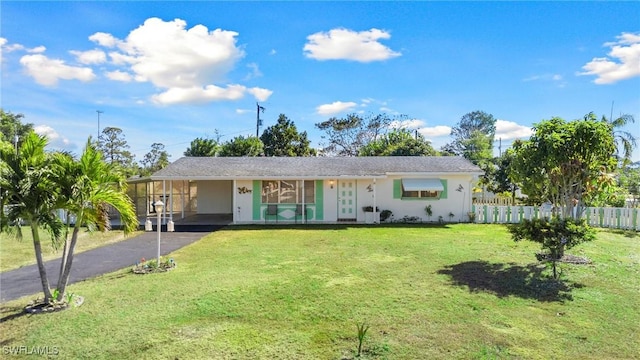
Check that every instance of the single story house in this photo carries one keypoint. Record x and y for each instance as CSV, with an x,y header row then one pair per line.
x,y
310,189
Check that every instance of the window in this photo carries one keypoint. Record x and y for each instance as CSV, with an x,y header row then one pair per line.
x,y
420,194
288,192
420,189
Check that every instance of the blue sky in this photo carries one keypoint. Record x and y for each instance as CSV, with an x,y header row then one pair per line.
x,y
169,72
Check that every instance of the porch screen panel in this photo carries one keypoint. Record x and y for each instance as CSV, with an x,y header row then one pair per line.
x,y
270,192
288,191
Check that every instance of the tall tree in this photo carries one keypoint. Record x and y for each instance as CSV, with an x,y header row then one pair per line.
x,y
154,160
241,146
283,139
27,178
12,125
624,140
345,137
565,162
203,147
501,179
398,142
88,186
473,134
113,146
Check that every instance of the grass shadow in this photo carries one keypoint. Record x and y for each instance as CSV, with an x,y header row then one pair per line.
x,y
10,313
503,280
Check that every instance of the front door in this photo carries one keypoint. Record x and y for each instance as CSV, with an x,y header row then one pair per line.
x,y
347,200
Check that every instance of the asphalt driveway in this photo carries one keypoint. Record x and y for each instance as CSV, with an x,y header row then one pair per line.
x,y
26,280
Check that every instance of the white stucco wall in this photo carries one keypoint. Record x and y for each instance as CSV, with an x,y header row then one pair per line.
x,y
458,203
215,197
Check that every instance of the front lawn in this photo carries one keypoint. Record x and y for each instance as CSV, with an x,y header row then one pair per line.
x,y
460,291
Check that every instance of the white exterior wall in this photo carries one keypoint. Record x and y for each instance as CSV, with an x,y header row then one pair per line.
x,y
330,199
458,203
215,197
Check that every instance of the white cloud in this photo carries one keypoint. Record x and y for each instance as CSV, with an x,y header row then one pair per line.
x,y
623,61
90,57
243,111
506,130
169,55
407,124
184,63
345,44
48,72
259,93
196,94
435,131
335,107
118,75
36,50
255,71
104,39
55,140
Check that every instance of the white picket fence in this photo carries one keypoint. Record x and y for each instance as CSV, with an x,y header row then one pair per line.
x,y
605,217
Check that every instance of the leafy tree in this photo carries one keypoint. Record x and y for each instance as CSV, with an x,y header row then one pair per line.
x,y
624,140
555,236
27,180
283,139
472,136
114,147
202,147
241,146
88,186
398,142
345,137
154,160
565,163
501,180
629,180
11,125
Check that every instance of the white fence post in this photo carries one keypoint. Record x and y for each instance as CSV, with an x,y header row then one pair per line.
x,y
608,217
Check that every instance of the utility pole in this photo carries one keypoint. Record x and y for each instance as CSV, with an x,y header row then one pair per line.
x,y
99,112
258,121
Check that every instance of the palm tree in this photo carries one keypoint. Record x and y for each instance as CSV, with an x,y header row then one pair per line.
x,y
623,139
88,187
26,180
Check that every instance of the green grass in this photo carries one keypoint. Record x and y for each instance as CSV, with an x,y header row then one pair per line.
x,y
16,253
460,291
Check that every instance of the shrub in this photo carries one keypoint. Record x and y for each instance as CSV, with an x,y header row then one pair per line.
x,y
555,235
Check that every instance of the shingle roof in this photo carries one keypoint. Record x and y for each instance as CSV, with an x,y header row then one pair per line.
x,y
310,167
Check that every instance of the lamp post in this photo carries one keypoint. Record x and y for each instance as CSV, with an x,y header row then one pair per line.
x,y
159,205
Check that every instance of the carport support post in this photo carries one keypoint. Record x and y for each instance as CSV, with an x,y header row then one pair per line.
x,y
170,227
235,201
374,203
159,208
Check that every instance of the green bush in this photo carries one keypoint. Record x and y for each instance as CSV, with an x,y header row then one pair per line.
x,y
555,235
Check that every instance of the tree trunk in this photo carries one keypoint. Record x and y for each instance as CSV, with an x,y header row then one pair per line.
x,y
38,249
62,282
64,249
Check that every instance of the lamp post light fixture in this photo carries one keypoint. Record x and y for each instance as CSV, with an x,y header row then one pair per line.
x,y
159,205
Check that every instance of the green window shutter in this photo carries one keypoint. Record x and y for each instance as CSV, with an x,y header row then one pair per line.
x,y
257,199
397,189
443,194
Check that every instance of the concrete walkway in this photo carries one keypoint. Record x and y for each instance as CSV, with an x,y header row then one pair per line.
x,y
91,263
